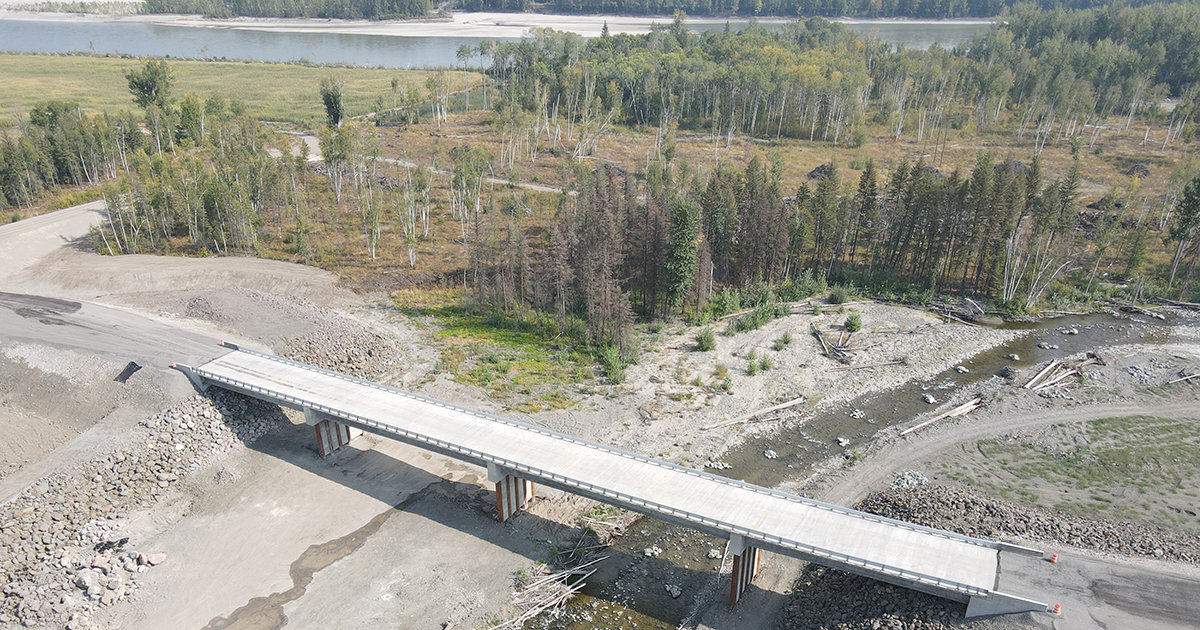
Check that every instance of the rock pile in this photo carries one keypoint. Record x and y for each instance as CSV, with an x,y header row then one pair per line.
x,y
345,347
828,599
958,510
909,479
329,339
62,552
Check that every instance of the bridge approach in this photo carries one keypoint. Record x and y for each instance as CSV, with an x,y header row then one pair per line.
x,y
518,456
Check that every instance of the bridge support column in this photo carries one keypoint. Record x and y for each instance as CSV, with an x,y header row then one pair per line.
x,y
512,492
331,434
745,566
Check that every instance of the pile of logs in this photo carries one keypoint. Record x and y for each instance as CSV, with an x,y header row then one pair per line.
x,y
1184,376
1130,307
539,593
1056,373
839,350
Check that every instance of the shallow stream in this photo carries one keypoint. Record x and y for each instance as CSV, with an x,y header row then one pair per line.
x,y
628,594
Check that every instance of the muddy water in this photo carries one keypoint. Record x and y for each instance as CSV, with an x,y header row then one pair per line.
x,y
631,594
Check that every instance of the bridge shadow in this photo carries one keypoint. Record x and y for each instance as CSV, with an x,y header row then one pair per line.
x,y
628,585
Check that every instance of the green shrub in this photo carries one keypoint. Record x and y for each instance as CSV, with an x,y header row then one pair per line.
x,y
838,295
757,318
816,309
724,302
783,341
766,363
15,217
706,341
655,327
613,363
752,368
854,323
721,370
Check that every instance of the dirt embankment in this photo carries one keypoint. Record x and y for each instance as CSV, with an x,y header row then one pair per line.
x,y
357,529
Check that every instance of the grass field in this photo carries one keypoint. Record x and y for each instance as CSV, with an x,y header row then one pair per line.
x,y
518,366
271,91
1133,468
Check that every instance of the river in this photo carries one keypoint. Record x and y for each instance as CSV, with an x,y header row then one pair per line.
x,y
387,44
804,443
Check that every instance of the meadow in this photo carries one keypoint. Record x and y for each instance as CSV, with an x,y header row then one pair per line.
x,y
272,92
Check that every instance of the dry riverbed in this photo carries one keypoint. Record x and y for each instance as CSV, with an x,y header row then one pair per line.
x,y
242,525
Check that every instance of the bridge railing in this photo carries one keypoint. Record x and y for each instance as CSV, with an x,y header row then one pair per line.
x,y
636,503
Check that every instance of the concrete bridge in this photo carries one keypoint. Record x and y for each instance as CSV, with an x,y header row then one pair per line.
x,y
518,456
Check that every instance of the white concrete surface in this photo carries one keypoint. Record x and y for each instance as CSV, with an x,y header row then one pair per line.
x,y
950,564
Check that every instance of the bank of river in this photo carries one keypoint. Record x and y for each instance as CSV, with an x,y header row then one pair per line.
x,y
395,44
627,594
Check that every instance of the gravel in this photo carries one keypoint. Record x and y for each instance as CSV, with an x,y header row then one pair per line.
x,y
909,479
831,599
959,510
301,331
63,553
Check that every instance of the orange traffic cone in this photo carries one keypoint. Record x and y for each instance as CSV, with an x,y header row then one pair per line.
x,y
1058,609
1054,558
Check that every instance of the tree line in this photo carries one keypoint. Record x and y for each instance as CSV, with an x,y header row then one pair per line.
x,y
819,81
935,9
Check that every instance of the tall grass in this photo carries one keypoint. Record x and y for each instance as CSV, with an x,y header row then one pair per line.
x,y
275,91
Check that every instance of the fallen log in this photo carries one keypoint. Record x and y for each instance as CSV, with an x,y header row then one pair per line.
x,y
948,316
1186,378
824,347
1188,305
960,410
1044,371
850,368
751,416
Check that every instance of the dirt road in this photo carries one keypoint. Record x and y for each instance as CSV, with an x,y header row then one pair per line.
x,y
1096,592
25,242
851,485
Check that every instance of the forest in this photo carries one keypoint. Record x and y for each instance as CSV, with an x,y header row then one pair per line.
x,y
928,9
687,231
393,9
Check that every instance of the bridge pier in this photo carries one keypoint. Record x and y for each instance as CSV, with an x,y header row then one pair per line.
x,y
331,434
745,566
512,492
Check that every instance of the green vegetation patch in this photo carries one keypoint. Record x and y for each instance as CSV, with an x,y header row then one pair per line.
x,y
513,361
1136,467
283,92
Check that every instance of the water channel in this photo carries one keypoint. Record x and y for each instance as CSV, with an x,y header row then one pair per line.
x,y
629,591
393,45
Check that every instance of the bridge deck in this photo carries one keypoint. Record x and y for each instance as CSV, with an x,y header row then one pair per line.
x,y
949,564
